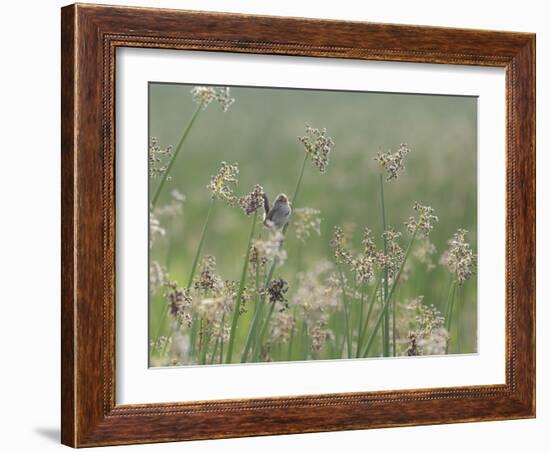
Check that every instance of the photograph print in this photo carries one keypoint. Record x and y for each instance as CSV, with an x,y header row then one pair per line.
x,y
296,225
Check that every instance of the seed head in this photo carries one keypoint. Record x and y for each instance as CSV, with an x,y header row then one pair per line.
x,y
160,344
392,162
306,222
158,158
204,95
317,145
179,302
338,243
276,291
459,258
424,222
320,334
428,336
253,200
221,185
231,293
208,282
394,253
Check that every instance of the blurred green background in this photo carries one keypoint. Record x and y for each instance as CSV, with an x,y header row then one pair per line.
x,y
260,131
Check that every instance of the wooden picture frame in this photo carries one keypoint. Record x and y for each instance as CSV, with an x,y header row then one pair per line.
x,y
90,35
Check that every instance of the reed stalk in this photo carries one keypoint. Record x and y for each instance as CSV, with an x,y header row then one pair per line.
x,y
236,313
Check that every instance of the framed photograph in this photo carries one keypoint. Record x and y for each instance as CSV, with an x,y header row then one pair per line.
x,y
282,225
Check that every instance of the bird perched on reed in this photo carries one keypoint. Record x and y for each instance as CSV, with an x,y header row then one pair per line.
x,y
277,216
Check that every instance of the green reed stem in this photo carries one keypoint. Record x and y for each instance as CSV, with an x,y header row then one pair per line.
x,y
372,299
297,189
458,327
346,312
360,317
257,312
448,307
160,186
221,347
193,340
219,339
250,339
236,312
386,329
305,340
205,342
392,290
215,350
449,317
394,335
258,348
291,341
201,243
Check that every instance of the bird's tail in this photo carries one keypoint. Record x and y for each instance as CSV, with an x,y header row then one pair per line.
x,y
266,204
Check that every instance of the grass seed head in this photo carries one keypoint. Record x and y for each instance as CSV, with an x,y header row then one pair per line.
x,y
459,258
276,291
221,184
393,162
253,200
424,222
317,145
158,158
204,95
307,221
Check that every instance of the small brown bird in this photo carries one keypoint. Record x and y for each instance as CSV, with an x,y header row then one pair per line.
x,y
278,215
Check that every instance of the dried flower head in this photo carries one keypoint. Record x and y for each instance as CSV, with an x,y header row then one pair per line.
x,y
320,334
364,264
459,258
158,158
306,222
208,281
369,247
276,292
412,344
394,256
282,325
428,336
317,145
204,95
253,200
179,302
338,243
231,292
221,185
392,162
363,267
160,344
424,221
